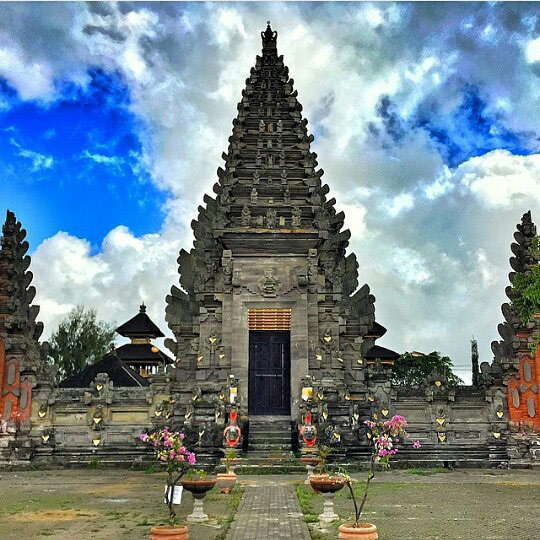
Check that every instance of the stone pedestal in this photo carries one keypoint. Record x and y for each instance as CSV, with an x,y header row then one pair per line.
x,y
310,469
198,515
328,515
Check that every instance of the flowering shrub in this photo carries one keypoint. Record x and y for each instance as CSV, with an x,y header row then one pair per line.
x,y
383,437
169,449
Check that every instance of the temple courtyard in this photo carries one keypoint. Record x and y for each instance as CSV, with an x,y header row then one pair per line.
x,y
405,504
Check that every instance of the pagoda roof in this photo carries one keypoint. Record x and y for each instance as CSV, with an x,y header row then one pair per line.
x,y
142,352
377,330
119,373
140,326
381,352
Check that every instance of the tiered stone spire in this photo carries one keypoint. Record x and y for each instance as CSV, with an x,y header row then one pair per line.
x,y
22,358
269,201
523,260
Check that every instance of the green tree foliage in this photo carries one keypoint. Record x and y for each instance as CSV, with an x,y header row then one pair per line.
x,y
526,288
79,340
412,369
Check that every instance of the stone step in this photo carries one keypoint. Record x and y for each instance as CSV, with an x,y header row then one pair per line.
x,y
270,437
269,447
271,428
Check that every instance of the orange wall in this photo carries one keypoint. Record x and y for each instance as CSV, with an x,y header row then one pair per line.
x,y
523,387
2,366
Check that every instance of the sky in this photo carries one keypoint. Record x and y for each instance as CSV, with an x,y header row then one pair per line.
x,y
426,117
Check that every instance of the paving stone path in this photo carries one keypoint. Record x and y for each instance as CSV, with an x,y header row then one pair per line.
x,y
269,511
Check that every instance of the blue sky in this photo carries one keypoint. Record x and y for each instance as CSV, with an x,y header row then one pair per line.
x,y
75,164
114,117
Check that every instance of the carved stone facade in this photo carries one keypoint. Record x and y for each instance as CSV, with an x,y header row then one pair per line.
x,y
516,364
22,358
268,272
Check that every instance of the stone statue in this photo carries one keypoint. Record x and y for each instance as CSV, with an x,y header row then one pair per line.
x,y
225,196
271,218
246,216
254,196
296,217
262,126
269,286
279,126
283,176
287,196
315,198
256,176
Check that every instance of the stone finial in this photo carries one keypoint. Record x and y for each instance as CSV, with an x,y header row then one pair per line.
x,y
269,38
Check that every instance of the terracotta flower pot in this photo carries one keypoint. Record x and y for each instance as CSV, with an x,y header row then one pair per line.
x,y
326,484
198,488
165,532
308,460
364,531
226,481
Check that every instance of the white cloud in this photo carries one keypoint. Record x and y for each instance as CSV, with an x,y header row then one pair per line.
x,y
126,271
114,162
39,161
32,78
410,266
532,50
401,202
501,179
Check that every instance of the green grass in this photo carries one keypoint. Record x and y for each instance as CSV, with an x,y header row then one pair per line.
x,y
94,464
232,502
305,498
151,469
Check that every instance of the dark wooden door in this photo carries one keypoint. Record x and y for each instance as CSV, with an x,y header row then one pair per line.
x,y
269,372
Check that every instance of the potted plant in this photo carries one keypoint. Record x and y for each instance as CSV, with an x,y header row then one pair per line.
x,y
323,453
227,480
169,449
198,483
384,435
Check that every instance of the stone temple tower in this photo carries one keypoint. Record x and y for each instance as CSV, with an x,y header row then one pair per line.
x,y
268,301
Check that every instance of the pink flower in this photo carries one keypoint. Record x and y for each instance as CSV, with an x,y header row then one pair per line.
x,y
143,437
172,454
416,444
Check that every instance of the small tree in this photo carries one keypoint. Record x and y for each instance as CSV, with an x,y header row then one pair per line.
x,y
79,340
412,369
169,449
526,294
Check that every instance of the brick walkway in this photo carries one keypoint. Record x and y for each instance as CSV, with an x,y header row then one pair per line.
x,y
269,512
